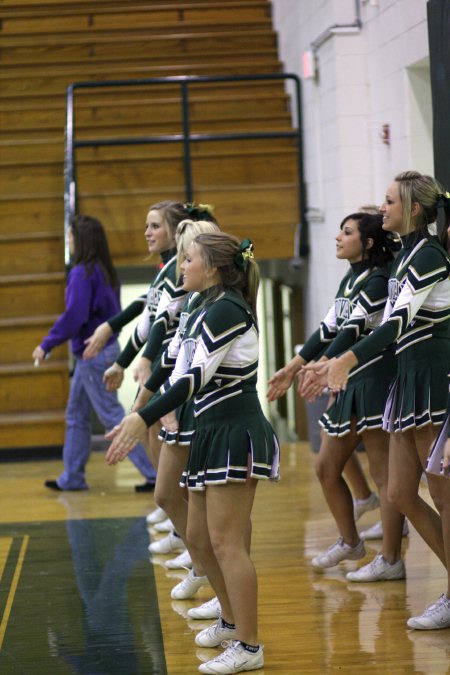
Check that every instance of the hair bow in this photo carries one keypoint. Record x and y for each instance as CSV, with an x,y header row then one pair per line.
x,y
244,254
198,210
443,201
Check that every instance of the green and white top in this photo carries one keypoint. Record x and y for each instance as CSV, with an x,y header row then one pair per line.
x,y
159,320
217,359
418,307
357,309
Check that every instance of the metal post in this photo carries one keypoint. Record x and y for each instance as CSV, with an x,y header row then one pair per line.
x,y
303,244
186,139
69,173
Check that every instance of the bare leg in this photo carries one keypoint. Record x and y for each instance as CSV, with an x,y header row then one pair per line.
x,y
353,471
355,477
228,514
377,445
153,446
170,496
405,469
333,455
199,543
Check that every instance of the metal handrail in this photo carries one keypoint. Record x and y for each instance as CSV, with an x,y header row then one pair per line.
x,y
71,144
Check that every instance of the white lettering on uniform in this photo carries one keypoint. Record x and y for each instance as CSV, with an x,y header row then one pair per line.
x,y
394,289
153,298
343,308
184,316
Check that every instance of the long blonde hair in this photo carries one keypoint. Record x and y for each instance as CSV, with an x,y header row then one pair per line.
x,y
428,193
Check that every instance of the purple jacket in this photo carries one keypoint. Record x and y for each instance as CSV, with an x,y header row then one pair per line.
x,y
89,302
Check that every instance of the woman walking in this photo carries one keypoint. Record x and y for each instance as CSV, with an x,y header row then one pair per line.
x,y
92,295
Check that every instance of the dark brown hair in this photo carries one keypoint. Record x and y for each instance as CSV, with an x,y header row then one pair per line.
x,y
91,246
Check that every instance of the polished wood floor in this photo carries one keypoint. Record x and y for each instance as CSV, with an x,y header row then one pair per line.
x,y
78,593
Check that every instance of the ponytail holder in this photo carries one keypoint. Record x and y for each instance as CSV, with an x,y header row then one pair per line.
x,y
244,254
199,210
443,201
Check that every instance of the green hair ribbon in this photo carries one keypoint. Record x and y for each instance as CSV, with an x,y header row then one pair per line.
x,y
244,254
443,201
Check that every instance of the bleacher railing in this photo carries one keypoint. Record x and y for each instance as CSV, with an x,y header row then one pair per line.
x,y
186,137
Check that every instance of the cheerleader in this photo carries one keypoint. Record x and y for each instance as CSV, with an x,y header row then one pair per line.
x,y
233,445
417,321
176,433
160,310
358,414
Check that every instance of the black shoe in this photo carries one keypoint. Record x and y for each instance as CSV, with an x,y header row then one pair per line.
x,y
53,485
144,487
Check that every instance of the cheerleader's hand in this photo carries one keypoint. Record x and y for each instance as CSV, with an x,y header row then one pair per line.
x,y
312,386
97,341
113,377
279,384
142,371
170,422
338,371
124,437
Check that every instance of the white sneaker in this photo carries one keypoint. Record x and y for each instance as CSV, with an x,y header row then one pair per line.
x,y
376,531
209,610
181,561
156,516
338,552
378,570
164,526
360,506
234,659
169,544
214,635
188,587
434,617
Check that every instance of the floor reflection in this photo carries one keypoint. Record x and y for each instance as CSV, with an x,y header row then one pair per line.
x,y
371,608
86,600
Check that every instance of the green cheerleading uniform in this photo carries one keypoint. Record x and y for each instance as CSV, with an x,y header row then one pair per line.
x,y
159,319
165,367
417,321
357,309
219,361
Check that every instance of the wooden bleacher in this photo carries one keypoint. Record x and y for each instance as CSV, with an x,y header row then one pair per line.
x,y
47,46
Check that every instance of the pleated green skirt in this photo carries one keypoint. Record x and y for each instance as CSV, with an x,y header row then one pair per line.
x,y
419,393
186,426
364,400
232,442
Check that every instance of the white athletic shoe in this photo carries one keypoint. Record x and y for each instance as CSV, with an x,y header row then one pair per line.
x,y
182,561
360,506
209,610
378,570
376,531
169,544
164,526
435,616
338,552
234,659
214,635
188,587
156,516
